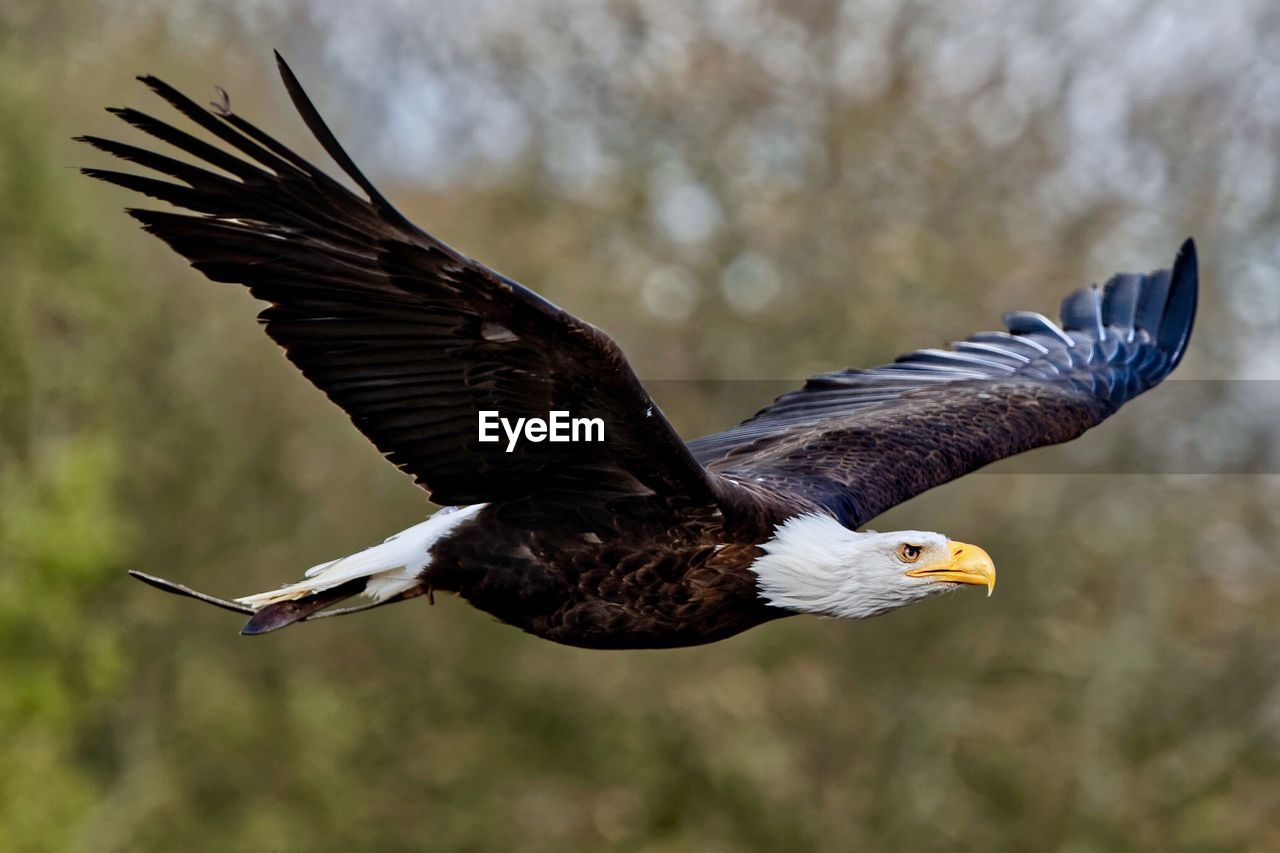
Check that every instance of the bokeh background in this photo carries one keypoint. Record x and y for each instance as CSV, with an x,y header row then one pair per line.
x,y
743,192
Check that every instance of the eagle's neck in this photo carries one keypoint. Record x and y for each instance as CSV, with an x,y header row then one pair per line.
x,y
813,565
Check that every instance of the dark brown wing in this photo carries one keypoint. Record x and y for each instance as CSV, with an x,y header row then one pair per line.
x,y
860,441
408,336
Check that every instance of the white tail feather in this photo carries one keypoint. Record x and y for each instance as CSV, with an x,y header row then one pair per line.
x,y
391,567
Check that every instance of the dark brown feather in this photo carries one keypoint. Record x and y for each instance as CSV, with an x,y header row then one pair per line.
x,y
642,579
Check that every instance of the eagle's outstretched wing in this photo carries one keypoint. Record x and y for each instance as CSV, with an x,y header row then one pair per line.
x,y
860,441
408,336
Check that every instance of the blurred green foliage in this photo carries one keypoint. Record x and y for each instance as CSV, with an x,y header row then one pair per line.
x,y
1120,691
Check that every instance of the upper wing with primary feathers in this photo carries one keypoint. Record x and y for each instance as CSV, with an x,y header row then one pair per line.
x,y
857,442
410,337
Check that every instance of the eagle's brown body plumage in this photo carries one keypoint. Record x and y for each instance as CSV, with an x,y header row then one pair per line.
x,y
670,582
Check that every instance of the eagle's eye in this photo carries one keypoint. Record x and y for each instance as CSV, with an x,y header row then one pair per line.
x,y
909,553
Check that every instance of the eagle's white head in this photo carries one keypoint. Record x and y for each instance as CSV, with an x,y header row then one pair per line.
x,y
814,564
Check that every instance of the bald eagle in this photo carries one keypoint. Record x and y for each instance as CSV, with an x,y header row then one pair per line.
x,y
639,539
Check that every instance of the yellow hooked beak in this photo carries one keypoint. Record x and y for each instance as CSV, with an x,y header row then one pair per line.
x,y
967,564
